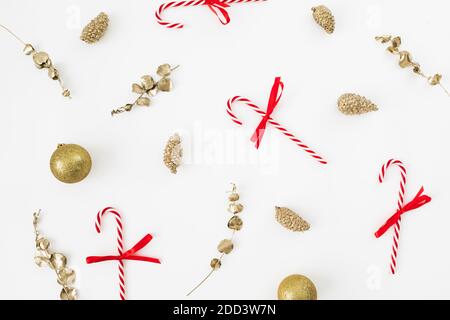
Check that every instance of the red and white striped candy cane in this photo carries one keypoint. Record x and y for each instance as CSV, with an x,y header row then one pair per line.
x,y
400,203
297,141
98,223
131,254
190,3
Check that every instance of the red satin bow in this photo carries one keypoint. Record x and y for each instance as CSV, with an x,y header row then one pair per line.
x,y
418,201
127,255
218,8
274,98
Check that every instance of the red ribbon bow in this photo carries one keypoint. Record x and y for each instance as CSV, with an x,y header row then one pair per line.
x,y
127,255
218,8
418,201
275,96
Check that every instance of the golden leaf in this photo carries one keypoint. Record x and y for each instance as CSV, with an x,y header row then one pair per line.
x,y
164,70
68,294
396,42
434,80
215,264
137,88
143,101
235,208
165,84
147,82
153,92
225,246
58,261
383,39
235,223
53,73
41,59
43,243
66,277
405,59
66,93
40,260
28,49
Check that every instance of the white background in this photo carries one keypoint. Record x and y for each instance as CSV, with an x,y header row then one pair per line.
x,y
186,213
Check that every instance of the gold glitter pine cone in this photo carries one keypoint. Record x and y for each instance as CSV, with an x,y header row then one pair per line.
x,y
95,29
290,220
324,18
353,104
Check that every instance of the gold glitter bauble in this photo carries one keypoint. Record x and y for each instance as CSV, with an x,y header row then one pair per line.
x,y
297,287
70,163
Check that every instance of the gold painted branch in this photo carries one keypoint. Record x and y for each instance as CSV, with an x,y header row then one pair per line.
x,y
41,60
406,60
56,261
226,245
148,88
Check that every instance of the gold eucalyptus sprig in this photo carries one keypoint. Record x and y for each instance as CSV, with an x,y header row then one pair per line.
x,y
226,245
56,261
148,88
41,61
406,60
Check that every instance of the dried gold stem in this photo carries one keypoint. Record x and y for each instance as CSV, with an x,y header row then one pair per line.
x,y
126,107
201,282
445,90
13,34
220,259
35,222
29,50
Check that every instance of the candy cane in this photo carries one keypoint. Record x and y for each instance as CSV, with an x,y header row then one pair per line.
x,y
98,224
131,254
257,109
191,3
400,202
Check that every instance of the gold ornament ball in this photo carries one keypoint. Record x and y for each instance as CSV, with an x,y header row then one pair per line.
x,y
70,163
297,287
